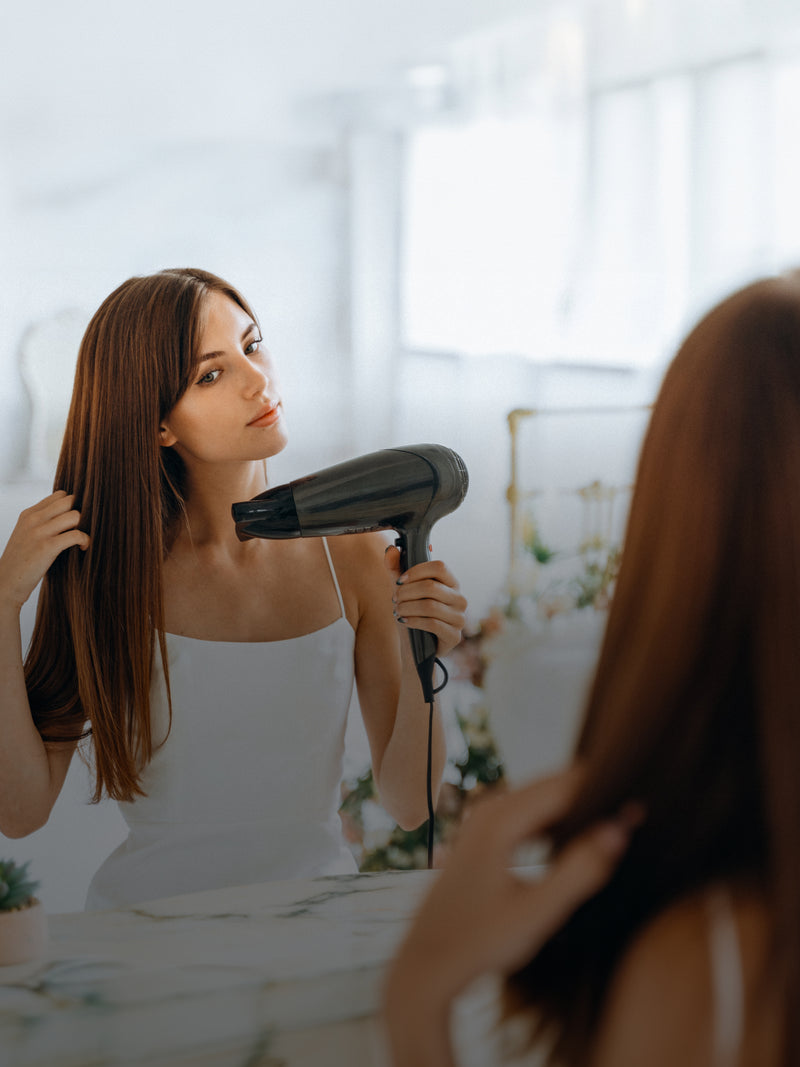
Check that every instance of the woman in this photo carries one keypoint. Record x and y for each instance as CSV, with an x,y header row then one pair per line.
x,y
676,940
214,674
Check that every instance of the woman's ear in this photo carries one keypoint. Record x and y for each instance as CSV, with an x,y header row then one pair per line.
x,y
166,437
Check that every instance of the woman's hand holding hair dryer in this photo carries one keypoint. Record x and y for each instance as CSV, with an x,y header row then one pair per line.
x,y
427,597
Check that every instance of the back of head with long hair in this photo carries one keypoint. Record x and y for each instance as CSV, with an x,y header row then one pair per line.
x,y
99,611
694,708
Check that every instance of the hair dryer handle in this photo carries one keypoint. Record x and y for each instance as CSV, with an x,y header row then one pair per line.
x,y
414,548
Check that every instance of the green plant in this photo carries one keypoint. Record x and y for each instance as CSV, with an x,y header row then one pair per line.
x,y
593,587
396,849
532,543
17,888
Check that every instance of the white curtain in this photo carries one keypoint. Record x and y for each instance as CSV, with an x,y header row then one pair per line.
x,y
607,172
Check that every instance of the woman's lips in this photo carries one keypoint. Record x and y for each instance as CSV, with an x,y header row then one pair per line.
x,y
267,416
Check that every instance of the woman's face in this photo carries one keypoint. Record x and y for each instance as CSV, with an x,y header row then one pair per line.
x,y
232,411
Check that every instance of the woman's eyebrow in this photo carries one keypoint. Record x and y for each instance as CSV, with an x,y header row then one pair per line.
x,y
218,354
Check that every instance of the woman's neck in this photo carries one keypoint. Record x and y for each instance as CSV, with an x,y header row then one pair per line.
x,y
209,496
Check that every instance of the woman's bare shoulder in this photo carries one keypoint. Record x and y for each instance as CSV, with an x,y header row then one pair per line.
x,y
660,1005
360,569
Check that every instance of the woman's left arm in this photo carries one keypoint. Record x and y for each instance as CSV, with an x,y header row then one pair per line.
x,y
395,714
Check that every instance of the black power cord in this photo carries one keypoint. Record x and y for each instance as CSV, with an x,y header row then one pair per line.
x,y
431,813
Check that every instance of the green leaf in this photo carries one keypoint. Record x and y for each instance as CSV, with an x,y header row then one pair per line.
x,y
537,548
16,887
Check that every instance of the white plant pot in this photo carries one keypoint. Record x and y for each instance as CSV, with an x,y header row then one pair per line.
x,y
23,934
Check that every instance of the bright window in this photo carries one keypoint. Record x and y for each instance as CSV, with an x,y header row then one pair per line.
x,y
593,234
490,236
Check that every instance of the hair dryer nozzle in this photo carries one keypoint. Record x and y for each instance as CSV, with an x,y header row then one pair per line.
x,y
397,488
271,514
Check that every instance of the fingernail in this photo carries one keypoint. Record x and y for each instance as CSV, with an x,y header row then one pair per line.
x,y
400,618
400,580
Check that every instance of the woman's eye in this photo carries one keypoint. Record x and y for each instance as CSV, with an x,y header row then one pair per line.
x,y
209,377
252,347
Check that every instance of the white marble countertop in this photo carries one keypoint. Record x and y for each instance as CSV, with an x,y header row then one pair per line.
x,y
284,973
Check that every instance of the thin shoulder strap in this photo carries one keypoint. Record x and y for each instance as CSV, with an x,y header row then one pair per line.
x,y
726,978
333,575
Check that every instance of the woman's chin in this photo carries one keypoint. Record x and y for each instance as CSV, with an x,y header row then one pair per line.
x,y
277,442
278,445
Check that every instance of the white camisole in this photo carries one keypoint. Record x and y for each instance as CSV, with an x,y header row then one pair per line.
x,y
245,788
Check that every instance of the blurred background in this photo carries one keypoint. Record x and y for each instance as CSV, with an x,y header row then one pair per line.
x,y
442,211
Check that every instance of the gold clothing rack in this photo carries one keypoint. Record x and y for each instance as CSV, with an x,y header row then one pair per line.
x,y
595,492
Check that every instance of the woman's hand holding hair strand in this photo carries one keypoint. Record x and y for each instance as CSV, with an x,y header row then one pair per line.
x,y
31,773
42,532
481,917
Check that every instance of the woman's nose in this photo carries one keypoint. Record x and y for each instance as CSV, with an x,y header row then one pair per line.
x,y
256,379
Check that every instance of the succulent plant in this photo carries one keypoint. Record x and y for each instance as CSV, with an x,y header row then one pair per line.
x,y
17,888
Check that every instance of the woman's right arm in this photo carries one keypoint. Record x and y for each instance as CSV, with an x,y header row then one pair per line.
x,y
31,772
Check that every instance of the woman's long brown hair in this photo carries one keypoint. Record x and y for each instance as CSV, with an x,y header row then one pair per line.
x,y
695,704
99,611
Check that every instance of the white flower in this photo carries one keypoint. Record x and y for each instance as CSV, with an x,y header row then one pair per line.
x,y
378,825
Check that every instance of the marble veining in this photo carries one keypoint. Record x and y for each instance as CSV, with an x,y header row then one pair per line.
x,y
282,973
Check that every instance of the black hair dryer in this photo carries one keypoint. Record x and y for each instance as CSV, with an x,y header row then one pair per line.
x,y
403,489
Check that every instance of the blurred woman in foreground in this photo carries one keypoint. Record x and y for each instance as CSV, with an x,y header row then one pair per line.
x,y
667,930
